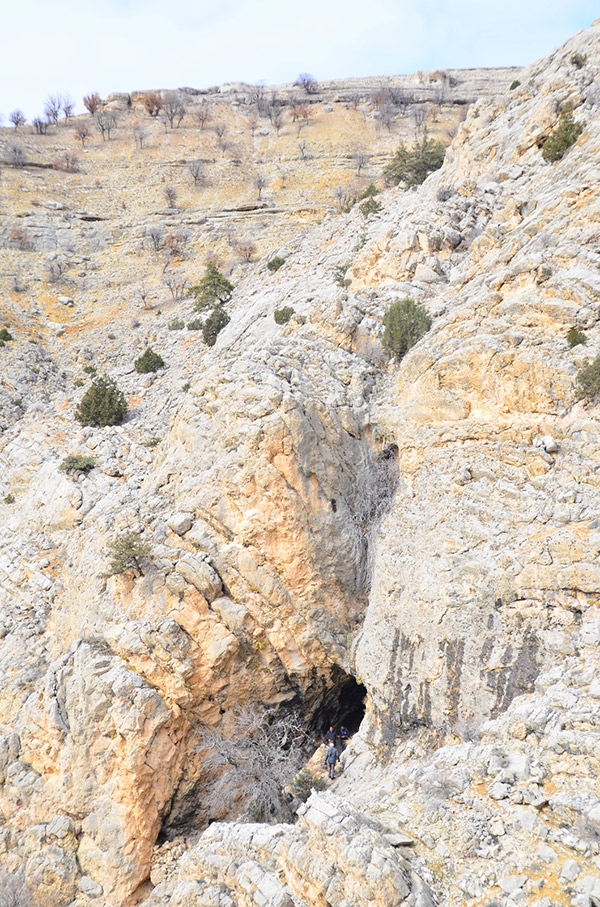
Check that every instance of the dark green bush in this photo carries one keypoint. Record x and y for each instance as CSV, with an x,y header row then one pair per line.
x,y
176,325
125,553
412,166
371,206
405,322
213,287
5,334
215,323
514,85
90,369
275,263
102,404
560,140
369,192
195,324
78,382
588,380
575,337
578,60
339,273
77,463
148,362
9,498
282,316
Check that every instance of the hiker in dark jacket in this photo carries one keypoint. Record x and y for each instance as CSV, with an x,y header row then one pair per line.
x,y
344,737
330,736
331,757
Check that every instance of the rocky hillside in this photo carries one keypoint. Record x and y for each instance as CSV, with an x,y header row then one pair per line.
x,y
320,519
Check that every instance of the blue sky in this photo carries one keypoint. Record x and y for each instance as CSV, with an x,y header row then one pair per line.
x,y
79,46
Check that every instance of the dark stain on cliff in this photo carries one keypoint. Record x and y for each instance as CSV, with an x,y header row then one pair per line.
x,y
516,676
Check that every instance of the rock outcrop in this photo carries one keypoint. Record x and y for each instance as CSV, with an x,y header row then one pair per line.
x,y
316,511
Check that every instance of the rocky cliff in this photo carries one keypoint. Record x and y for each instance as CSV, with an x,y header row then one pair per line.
x,y
319,516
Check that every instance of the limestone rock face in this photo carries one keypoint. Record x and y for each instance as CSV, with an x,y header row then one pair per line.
x,y
314,509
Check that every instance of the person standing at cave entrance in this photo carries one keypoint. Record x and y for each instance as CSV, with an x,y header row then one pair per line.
x,y
331,757
330,736
344,737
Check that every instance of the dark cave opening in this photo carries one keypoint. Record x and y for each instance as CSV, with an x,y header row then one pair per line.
x,y
342,704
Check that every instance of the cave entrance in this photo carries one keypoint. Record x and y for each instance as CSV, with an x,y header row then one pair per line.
x,y
342,703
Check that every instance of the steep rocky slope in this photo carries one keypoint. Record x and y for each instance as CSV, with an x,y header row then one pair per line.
x,y
468,608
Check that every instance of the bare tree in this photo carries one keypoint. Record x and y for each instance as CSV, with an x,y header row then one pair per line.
x,y
40,126
276,117
82,132
143,293
173,109
17,118
361,159
307,82
252,762
202,115
92,102
260,182
221,130
52,107
67,107
354,99
140,134
177,285
106,123
252,122
419,116
170,193
153,103
196,170
155,237
302,150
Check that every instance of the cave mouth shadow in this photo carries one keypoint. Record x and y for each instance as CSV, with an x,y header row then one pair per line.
x,y
342,704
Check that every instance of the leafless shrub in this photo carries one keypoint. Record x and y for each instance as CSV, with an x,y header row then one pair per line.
x,y
140,134
92,102
246,249
345,198
55,270
254,759
82,132
67,107
361,159
177,285
170,194
252,121
302,150
106,123
196,169
40,126
220,130
68,163
143,293
153,103
202,115
15,155
376,486
176,243
260,182
419,116
155,237
354,99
